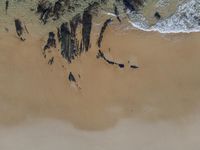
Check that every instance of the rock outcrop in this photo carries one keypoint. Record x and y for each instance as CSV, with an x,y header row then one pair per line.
x,y
133,5
67,36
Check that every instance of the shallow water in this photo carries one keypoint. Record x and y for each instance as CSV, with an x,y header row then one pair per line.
x,y
182,16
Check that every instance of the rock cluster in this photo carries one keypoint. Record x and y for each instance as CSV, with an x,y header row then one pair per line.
x,y
48,10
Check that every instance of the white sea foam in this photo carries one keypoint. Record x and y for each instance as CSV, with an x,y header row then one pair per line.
x,y
186,19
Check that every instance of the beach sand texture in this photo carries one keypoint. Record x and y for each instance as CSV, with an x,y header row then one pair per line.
x,y
153,107
162,96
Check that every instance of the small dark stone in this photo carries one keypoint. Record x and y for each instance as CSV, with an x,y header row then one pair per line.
x,y
134,66
121,65
71,77
157,15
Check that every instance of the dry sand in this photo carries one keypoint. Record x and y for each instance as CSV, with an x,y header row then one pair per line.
x,y
154,107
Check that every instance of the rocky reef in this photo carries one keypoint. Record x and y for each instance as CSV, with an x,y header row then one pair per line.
x,y
70,45
69,16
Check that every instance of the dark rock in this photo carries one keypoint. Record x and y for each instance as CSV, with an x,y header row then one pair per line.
x,y
71,77
117,13
121,65
69,41
58,34
47,10
101,55
51,42
87,27
7,5
74,41
157,15
74,23
133,5
102,31
19,29
110,62
66,42
134,66
44,7
57,9
129,5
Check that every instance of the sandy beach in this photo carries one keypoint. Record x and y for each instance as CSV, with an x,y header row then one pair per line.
x,y
153,107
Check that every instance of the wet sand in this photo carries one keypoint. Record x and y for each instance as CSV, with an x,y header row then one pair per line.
x,y
153,107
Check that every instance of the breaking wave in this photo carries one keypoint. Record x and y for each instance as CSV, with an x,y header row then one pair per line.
x,y
186,19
